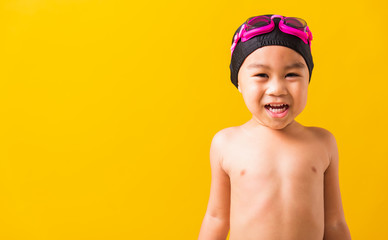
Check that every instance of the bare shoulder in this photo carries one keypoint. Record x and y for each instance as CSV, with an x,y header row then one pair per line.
x,y
223,137
328,140
323,135
221,143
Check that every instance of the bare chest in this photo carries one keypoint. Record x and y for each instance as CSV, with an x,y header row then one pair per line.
x,y
288,160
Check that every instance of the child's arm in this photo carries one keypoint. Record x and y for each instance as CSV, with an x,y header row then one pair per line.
x,y
215,224
335,224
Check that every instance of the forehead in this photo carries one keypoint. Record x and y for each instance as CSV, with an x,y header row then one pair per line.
x,y
277,56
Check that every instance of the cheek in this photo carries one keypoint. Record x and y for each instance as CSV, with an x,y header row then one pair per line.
x,y
252,94
300,97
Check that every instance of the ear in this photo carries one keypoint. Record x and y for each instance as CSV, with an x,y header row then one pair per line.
x,y
239,89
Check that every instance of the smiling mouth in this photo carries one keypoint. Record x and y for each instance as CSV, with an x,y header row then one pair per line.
x,y
277,108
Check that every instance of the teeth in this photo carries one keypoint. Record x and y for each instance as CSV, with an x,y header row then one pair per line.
x,y
277,105
277,108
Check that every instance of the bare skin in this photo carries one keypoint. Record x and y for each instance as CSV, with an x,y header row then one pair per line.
x,y
273,178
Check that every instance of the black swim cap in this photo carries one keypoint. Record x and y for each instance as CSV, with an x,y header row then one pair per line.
x,y
275,37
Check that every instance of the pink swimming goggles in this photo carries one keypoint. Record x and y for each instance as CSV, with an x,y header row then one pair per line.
x,y
264,24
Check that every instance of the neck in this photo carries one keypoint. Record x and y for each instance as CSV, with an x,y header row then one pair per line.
x,y
254,125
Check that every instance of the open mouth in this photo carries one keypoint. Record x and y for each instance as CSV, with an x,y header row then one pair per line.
x,y
277,108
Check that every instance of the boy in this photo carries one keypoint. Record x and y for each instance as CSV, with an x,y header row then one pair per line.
x,y
273,178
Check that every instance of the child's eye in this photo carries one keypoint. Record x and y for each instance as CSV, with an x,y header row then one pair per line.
x,y
262,75
292,75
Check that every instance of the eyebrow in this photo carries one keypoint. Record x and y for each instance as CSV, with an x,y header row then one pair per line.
x,y
259,65
296,65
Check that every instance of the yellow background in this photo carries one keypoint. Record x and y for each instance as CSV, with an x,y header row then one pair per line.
x,y
108,109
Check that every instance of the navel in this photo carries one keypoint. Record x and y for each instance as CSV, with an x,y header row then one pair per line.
x,y
314,169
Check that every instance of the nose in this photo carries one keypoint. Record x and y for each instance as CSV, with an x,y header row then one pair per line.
x,y
276,87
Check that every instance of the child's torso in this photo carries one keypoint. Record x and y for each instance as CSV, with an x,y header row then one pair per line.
x,y
276,185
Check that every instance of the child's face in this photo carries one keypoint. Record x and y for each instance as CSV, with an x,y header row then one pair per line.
x,y
273,81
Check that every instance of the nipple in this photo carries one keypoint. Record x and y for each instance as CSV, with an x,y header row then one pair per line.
x,y
242,173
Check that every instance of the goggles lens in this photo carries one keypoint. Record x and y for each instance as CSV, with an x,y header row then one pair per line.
x,y
257,22
296,23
